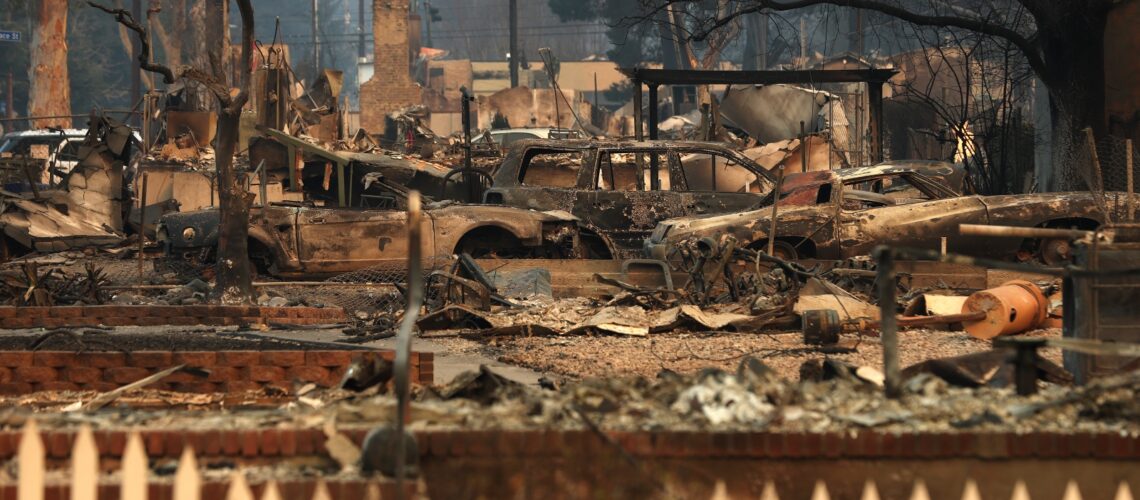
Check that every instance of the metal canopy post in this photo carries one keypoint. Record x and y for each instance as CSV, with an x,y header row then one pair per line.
x,y
875,119
637,109
652,111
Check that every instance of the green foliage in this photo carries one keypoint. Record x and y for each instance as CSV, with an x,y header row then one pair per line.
x,y
633,41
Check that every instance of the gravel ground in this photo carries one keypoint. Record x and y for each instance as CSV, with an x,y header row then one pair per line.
x,y
576,357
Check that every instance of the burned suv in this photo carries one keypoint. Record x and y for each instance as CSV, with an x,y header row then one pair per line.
x,y
621,190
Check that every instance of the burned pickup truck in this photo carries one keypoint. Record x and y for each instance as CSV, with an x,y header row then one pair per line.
x,y
294,240
846,213
621,190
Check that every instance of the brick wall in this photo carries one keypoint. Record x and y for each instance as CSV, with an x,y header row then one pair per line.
x,y
24,372
391,87
65,316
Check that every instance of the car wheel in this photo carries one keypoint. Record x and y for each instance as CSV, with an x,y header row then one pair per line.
x,y
784,251
1055,251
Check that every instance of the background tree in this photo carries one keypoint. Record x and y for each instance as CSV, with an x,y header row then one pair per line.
x,y
234,283
1062,41
50,95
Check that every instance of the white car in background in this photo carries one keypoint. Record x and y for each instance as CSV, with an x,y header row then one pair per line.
x,y
62,149
504,137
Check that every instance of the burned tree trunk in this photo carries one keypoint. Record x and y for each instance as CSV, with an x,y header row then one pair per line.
x,y
234,284
50,94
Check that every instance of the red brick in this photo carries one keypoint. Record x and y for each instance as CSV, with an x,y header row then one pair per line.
x,y
14,359
270,442
58,385
283,358
249,442
150,359
239,358
306,440
68,312
200,359
116,443
175,440
329,358
54,359
224,374
32,374
20,322
151,321
184,320
82,374
124,374
230,442
197,387
155,443
183,377
57,444
266,374
211,443
286,442
5,375
104,359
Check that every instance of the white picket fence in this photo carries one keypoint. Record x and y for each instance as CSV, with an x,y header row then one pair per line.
x,y
134,477
969,492
134,474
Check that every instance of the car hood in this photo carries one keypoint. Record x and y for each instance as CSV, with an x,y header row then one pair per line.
x,y
750,222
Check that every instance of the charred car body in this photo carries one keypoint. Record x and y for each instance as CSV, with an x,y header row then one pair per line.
x,y
842,214
295,240
621,190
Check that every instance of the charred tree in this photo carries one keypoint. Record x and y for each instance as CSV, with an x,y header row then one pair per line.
x,y
1063,43
50,87
234,280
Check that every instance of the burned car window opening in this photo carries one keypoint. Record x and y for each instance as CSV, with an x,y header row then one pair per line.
x,y
551,168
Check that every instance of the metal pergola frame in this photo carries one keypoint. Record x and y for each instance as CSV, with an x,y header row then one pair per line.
x,y
874,78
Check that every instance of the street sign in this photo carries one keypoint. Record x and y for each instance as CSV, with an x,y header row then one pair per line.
x,y
9,36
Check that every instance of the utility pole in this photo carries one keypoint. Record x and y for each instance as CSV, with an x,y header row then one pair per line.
x,y
10,110
762,46
136,72
514,28
360,51
428,15
316,42
857,32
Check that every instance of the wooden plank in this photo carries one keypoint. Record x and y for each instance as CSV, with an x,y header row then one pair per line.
x,y
134,470
187,479
820,492
322,491
1072,491
920,492
1020,491
970,491
1123,492
769,491
870,490
30,463
272,492
239,487
84,466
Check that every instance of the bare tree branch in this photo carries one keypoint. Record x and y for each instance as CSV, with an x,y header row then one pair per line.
x,y
1025,44
126,19
246,10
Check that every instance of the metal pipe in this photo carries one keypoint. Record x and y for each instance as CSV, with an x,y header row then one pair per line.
x,y
1127,169
1021,232
888,321
637,118
775,205
404,334
142,222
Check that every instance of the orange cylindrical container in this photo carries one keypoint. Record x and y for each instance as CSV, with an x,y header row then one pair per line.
x,y
1012,308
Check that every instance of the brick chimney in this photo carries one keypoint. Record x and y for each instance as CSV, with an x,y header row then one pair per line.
x,y
391,86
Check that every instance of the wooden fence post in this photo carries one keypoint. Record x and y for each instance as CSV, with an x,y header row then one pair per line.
x,y
187,479
30,464
135,470
84,466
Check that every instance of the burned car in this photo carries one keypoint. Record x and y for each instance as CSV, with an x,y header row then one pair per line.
x,y
621,190
290,240
841,214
